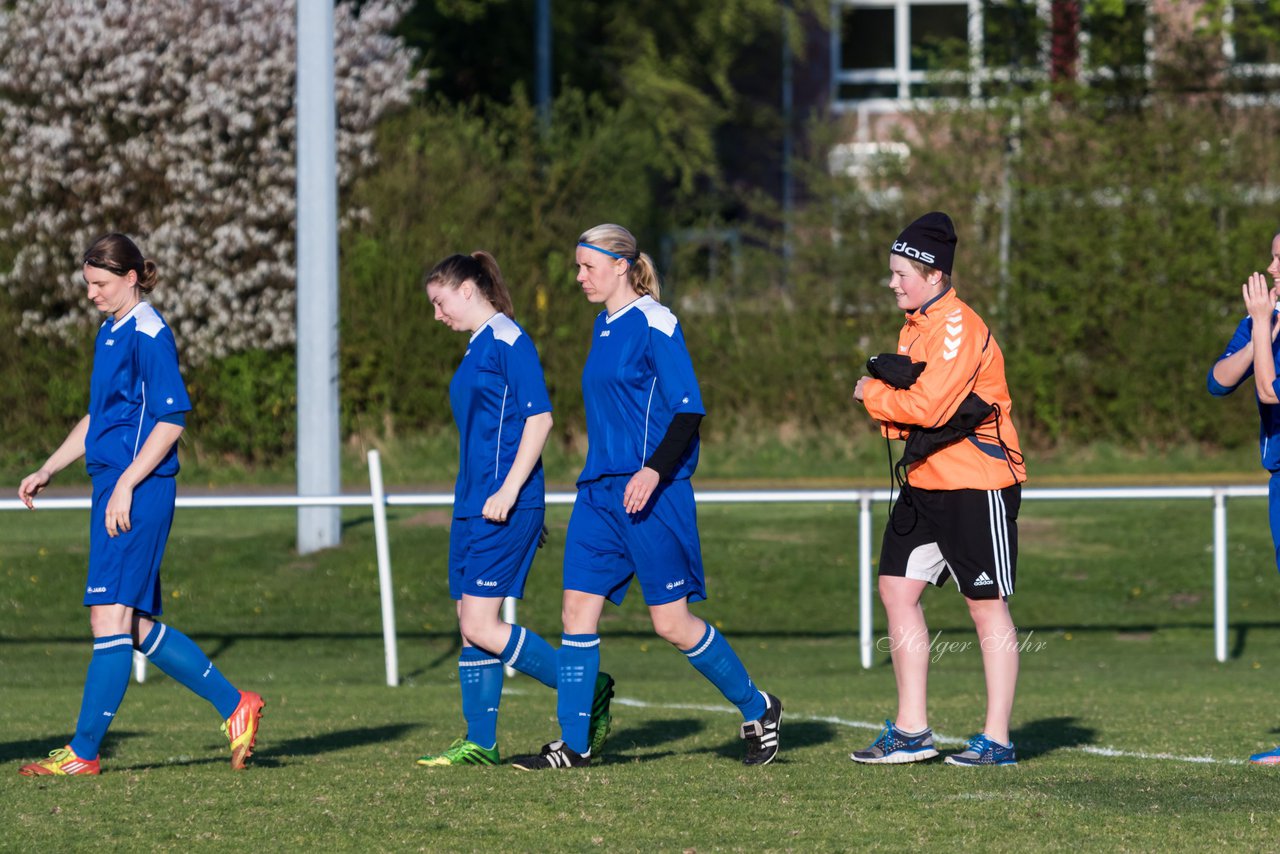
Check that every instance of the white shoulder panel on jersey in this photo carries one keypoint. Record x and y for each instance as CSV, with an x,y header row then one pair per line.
x,y
504,329
658,315
145,320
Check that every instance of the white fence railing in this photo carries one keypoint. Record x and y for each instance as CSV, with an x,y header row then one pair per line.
x,y
378,500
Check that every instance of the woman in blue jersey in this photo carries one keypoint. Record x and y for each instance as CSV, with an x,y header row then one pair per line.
x,y
503,413
1253,349
137,411
635,515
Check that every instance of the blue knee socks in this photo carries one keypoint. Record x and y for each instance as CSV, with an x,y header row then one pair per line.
x,y
715,659
480,677
104,688
180,659
578,662
531,655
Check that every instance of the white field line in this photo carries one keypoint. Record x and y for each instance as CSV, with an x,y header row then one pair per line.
x,y
1110,752
940,739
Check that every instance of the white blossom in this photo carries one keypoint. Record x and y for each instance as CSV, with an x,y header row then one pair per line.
x,y
173,121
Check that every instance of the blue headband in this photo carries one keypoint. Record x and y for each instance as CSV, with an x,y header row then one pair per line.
x,y
607,252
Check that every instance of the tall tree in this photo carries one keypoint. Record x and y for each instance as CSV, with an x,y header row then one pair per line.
x,y
705,76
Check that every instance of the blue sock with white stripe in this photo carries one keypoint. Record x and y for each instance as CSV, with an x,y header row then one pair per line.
x,y
181,660
578,662
104,688
715,659
531,655
480,677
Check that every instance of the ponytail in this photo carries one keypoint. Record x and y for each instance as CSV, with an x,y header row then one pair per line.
x,y
147,280
644,277
492,285
481,269
117,254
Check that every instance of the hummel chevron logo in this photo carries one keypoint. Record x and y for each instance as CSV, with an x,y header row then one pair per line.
x,y
950,348
956,329
982,580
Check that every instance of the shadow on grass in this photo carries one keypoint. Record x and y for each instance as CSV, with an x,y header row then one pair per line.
x,y
38,748
191,762
655,733
445,657
1046,735
359,522
806,733
623,744
795,735
608,758
332,742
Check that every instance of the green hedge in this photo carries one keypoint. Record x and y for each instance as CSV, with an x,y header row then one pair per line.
x,y
1130,233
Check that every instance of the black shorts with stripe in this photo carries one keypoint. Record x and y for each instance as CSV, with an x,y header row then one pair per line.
x,y
972,534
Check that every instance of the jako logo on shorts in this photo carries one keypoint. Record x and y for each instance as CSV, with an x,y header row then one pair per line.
x,y
912,252
480,582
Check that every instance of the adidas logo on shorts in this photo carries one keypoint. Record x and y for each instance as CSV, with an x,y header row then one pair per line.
x,y
982,580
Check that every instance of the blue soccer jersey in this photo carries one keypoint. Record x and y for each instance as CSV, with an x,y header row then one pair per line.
x,y
135,384
497,386
1269,413
638,376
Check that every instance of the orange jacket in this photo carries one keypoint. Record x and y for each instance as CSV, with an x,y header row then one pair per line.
x,y
961,356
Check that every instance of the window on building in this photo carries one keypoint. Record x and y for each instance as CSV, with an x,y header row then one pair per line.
x,y
1116,45
1251,43
891,51
867,66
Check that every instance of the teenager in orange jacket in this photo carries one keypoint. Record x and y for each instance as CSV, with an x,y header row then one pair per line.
x,y
957,516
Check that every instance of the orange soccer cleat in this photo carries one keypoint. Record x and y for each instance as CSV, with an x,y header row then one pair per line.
x,y
241,728
62,762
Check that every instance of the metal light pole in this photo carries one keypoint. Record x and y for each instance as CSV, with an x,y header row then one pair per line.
x,y
542,52
788,170
317,272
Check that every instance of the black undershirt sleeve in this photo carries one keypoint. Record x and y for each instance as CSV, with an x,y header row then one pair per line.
x,y
680,435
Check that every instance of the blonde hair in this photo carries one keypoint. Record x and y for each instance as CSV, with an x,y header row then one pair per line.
x,y
924,270
641,272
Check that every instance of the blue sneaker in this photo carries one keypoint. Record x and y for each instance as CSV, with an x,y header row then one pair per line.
x,y
1271,757
893,747
983,751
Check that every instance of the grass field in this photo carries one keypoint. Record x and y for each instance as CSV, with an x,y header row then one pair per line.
x,y
1130,735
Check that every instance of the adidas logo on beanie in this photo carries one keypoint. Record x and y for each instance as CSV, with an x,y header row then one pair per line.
x,y
931,240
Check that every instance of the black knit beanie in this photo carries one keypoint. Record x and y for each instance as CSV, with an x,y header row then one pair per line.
x,y
930,240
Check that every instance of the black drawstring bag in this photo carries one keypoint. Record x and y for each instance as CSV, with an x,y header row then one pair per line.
x,y
895,369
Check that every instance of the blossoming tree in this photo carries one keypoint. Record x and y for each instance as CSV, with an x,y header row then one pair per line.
x,y
174,121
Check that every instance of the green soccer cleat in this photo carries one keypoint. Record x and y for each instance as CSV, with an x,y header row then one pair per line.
x,y
462,752
601,720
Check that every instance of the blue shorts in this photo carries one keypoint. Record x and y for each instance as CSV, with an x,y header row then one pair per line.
x,y
605,546
492,559
125,570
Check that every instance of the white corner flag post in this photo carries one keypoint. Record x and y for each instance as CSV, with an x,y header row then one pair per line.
x,y
317,272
